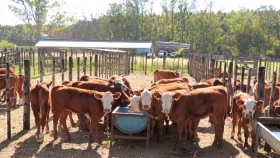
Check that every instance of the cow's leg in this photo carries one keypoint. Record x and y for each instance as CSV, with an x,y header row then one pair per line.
x,y
62,118
194,127
166,124
37,120
160,127
180,126
153,124
234,117
219,123
71,119
246,135
81,118
43,122
47,119
92,127
253,135
55,121
97,130
239,129
186,131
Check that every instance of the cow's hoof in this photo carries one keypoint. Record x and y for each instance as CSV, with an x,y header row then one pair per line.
x,y
47,131
245,149
40,140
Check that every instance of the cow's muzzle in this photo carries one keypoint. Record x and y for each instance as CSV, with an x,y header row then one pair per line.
x,y
165,111
107,110
146,107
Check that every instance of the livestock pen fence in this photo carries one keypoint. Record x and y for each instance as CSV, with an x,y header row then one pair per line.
x,y
202,66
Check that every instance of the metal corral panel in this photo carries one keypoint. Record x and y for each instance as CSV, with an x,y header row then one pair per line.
x,y
269,130
92,44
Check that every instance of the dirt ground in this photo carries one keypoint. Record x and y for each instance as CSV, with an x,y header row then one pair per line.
x,y
23,143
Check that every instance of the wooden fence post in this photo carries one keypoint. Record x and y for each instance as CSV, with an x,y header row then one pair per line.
x,y
242,78
164,61
90,65
8,100
85,65
229,86
272,94
53,73
235,77
41,71
95,65
70,67
261,83
146,62
249,81
26,86
62,69
78,68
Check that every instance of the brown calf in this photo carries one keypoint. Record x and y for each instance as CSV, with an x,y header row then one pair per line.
x,y
165,74
39,97
88,102
244,108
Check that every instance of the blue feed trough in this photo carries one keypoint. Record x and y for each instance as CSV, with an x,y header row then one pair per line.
x,y
129,122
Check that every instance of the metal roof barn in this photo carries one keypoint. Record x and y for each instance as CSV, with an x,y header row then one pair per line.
x,y
92,44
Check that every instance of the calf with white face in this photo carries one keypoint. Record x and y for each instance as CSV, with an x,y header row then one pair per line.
x,y
146,98
119,81
251,110
107,100
134,104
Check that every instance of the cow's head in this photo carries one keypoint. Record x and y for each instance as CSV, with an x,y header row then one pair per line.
x,y
134,104
146,98
121,83
166,100
107,99
249,107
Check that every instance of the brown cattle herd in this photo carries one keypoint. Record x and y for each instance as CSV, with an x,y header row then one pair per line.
x,y
170,98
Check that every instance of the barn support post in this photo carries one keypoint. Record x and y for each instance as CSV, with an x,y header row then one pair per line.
x,y
229,87
242,78
26,87
128,62
53,72
8,100
249,80
78,68
62,70
278,70
41,71
85,65
272,94
70,67
90,65
95,65
119,61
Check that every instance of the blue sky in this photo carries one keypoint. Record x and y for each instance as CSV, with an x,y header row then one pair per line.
x,y
78,8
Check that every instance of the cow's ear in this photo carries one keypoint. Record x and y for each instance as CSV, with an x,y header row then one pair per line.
x,y
259,103
49,84
177,96
124,79
276,103
239,102
117,95
157,95
136,93
111,81
38,82
98,96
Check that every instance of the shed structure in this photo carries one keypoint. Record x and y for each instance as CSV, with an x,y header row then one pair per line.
x,y
112,57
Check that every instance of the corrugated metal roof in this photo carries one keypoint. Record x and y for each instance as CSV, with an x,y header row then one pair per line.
x,y
162,44
92,44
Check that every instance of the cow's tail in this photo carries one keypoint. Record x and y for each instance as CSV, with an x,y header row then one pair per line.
x,y
224,92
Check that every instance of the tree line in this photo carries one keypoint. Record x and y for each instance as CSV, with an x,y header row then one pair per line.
x,y
243,32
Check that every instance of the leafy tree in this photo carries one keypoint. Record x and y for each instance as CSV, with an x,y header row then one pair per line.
x,y
40,16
